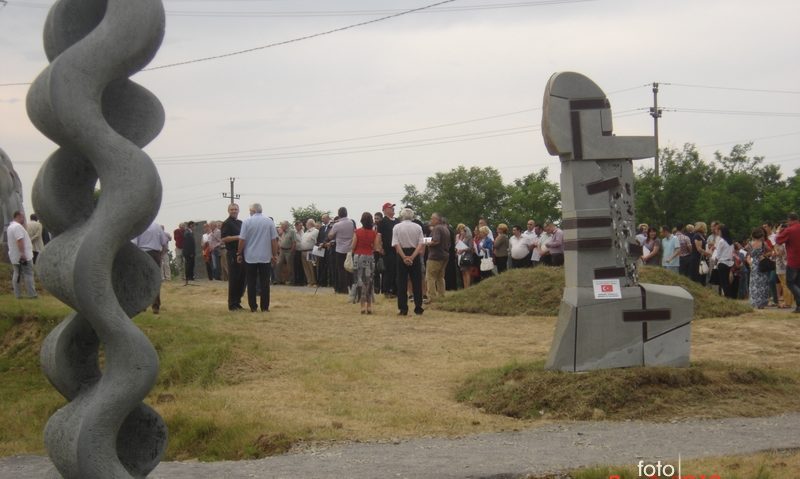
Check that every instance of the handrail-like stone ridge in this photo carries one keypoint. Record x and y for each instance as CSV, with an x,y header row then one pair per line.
x,y
85,103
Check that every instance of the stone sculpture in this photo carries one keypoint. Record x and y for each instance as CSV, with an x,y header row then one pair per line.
x,y
10,192
85,103
646,324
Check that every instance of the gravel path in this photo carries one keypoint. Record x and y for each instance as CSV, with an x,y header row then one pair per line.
x,y
550,448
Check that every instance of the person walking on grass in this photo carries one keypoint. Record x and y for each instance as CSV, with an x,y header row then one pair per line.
x,y
366,241
438,255
409,243
20,253
790,238
237,276
153,241
258,249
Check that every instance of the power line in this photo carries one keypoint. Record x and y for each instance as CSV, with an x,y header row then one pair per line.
x,y
355,150
351,13
755,90
750,139
298,39
621,114
367,137
734,112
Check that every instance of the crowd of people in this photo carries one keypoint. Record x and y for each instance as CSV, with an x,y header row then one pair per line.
x,y
762,268
411,260
407,259
401,257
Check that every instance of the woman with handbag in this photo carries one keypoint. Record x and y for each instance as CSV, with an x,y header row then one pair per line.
x,y
725,261
366,241
759,279
464,253
699,263
484,247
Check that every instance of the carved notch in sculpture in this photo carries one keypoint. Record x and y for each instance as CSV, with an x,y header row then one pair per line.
x,y
649,324
85,103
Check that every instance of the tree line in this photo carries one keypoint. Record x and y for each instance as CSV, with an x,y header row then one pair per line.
x,y
737,189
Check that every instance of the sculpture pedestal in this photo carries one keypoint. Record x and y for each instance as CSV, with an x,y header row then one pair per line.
x,y
649,326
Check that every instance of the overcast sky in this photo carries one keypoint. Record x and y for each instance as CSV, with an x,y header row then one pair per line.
x,y
468,83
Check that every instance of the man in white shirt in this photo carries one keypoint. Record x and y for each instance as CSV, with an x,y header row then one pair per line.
x,y
520,249
35,231
409,242
20,252
153,241
342,233
258,249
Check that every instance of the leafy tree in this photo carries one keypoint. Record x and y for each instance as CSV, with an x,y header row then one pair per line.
x,y
672,197
308,212
463,195
531,197
737,189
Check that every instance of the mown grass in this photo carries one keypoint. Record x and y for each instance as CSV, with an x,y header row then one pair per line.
x,y
242,385
779,464
538,291
706,389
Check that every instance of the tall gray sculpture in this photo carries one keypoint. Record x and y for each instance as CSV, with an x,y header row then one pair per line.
x,y
84,102
635,324
10,198
10,189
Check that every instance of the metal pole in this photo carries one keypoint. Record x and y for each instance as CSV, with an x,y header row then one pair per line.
x,y
655,112
232,196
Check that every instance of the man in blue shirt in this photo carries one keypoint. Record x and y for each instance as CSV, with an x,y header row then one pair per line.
x,y
257,249
670,251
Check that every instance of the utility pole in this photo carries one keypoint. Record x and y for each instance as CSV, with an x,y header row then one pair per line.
x,y
232,196
655,112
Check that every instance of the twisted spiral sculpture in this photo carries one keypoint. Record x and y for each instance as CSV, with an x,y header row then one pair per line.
x,y
85,103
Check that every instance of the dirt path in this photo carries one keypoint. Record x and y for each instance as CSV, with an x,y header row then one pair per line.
x,y
550,448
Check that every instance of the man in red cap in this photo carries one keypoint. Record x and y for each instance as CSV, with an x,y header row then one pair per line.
x,y
385,227
790,236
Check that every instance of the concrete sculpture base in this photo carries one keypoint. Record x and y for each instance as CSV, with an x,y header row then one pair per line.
x,y
649,326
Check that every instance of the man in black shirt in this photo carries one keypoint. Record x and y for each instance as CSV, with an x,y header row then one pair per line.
x,y
236,271
189,249
385,228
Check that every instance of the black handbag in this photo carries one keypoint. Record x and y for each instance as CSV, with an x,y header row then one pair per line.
x,y
467,259
765,265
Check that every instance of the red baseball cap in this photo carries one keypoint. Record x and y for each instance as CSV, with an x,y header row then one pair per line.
x,y
388,205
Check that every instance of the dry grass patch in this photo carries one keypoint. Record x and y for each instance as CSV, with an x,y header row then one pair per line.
x,y
240,385
704,390
780,464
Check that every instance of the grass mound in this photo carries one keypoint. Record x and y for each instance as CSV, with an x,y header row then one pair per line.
x,y
191,357
706,389
538,291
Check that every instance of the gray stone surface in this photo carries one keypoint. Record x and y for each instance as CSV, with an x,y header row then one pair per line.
x,y
84,102
649,324
10,198
550,448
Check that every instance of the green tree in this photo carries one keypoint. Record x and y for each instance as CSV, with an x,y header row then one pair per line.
x,y
462,195
531,197
304,213
737,189
672,197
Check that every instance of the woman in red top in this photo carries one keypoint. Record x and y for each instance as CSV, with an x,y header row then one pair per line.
x,y
365,241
